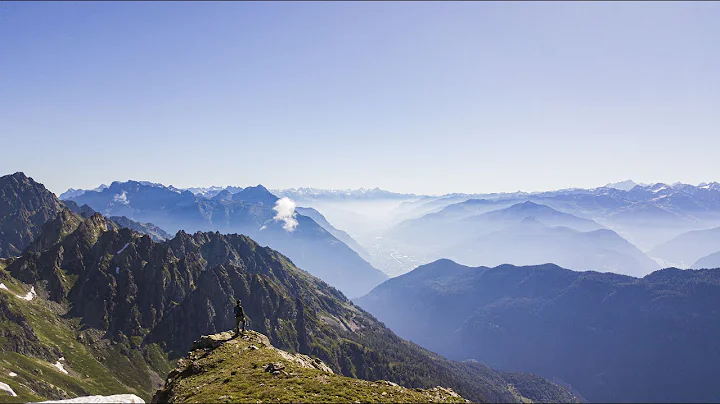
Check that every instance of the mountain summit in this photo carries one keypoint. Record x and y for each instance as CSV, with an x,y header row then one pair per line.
x,y
258,194
222,367
623,185
25,206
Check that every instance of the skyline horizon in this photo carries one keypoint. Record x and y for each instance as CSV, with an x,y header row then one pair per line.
x,y
271,188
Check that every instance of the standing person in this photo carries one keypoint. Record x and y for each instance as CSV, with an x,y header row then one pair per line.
x,y
239,318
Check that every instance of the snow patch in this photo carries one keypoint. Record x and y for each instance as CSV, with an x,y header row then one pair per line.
x,y
31,295
2,286
285,208
60,366
12,374
117,398
7,388
117,270
123,249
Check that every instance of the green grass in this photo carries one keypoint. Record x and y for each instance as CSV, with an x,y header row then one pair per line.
x,y
233,373
100,368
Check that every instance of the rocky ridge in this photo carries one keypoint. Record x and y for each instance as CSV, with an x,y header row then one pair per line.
x,y
24,207
225,368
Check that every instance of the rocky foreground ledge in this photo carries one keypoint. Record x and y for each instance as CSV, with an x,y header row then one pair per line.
x,y
221,368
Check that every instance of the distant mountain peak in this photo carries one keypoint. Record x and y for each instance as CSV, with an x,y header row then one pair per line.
x,y
363,193
256,194
528,206
74,193
19,175
623,185
223,195
258,187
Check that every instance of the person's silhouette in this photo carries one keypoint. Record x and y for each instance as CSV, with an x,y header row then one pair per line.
x,y
239,318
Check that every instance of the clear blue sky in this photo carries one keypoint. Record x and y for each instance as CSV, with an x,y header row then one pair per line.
x,y
420,97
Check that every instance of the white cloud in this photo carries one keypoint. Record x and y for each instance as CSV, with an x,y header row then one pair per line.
x,y
285,208
121,198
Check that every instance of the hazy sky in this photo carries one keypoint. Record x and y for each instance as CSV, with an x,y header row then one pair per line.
x,y
417,97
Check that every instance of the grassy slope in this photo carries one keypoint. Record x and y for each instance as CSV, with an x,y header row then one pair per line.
x,y
103,367
235,371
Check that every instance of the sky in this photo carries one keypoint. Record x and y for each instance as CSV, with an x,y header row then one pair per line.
x,y
423,97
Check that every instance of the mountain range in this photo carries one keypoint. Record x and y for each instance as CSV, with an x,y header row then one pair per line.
x,y
646,216
96,296
92,307
523,233
687,248
251,211
387,229
612,337
329,194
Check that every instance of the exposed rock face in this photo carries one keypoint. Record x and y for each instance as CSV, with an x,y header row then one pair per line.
x,y
225,367
25,206
22,337
55,230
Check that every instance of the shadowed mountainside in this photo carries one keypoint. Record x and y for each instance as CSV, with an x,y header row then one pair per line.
x,y
612,337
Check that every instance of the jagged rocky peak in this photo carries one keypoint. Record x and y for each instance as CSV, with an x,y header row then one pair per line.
x,y
96,225
25,206
56,229
224,367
